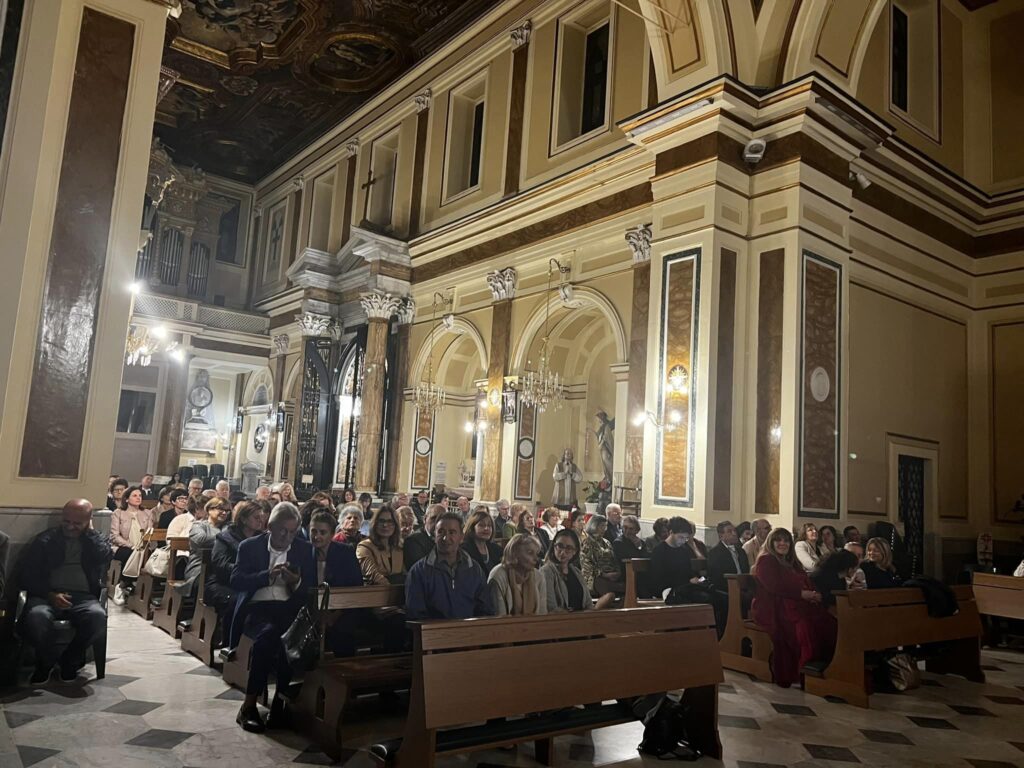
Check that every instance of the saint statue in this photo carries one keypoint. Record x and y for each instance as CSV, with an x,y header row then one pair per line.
x,y
566,475
605,442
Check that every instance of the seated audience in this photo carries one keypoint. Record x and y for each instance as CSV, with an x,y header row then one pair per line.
x,y
287,493
502,510
744,532
527,526
659,535
834,572
248,519
807,547
348,496
828,540
116,493
677,566
600,569
726,557
275,498
195,487
755,544
222,490
123,539
462,506
629,545
380,554
577,521
64,570
789,608
365,503
613,513
564,587
406,522
479,540
351,520
163,504
421,543
516,586
201,538
447,583
179,506
856,581
879,572
262,493
419,505
511,526
271,576
552,518
336,563
851,535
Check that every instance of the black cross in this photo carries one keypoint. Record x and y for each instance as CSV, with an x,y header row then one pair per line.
x,y
370,181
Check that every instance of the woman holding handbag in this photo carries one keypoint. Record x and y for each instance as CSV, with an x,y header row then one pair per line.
x,y
128,523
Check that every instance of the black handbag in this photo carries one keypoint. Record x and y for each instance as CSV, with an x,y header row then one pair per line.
x,y
303,638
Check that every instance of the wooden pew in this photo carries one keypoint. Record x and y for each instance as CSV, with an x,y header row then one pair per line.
x,y
634,568
879,619
998,595
139,600
318,708
203,637
113,576
741,631
167,614
546,653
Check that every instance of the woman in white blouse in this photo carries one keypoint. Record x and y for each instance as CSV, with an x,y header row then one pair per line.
x,y
807,548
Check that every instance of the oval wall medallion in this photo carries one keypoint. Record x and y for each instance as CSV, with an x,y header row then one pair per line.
x,y
820,384
526,448
423,446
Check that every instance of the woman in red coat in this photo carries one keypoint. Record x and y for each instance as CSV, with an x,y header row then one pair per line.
x,y
789,608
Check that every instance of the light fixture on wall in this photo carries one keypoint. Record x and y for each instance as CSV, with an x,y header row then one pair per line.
x,y
428,397
675,418
543,388
678,380
143,342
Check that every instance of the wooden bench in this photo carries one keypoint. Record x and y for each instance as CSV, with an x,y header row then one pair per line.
x,y
546,653
745,646
139,600
113,575
319,706
169,611
880,619
998,595
634,568
202,638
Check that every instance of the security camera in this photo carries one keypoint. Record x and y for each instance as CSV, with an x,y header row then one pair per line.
x,y
860,179
753,152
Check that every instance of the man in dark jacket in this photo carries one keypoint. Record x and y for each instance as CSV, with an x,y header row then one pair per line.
x,y
726,557
63,575
421,543
447,583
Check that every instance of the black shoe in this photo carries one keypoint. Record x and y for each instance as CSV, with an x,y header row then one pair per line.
x,y
279,718
69,672
40,676
227,654
250,720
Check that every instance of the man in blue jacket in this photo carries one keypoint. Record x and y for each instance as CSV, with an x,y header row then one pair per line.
x,y
447,583
271,577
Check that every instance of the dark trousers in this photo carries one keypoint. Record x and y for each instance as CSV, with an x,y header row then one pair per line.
x,y
265,623
87,617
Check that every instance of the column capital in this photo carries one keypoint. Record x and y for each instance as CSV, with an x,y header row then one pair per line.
x,y
406,311
299,183
503,283
352,147
639,240
422,100
380,306
313,324
521,35
281,342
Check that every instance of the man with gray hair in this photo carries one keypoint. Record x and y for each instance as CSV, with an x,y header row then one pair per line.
x,y
501,518
421,543
223,489
614,514
195,487
271,576
752,548
262,493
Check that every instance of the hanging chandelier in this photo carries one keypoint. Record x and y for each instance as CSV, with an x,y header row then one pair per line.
x,y
544,388
143,342
428,397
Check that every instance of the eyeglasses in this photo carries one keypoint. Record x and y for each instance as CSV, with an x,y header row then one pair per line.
x,y
385,522
565,547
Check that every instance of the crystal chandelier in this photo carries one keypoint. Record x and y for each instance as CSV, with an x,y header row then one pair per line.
x,y
143,342
428,397
543,388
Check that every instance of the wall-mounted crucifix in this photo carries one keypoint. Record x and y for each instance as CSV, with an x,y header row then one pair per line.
x,y
367,187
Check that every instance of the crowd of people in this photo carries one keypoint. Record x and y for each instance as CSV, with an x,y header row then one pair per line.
x,y
455,560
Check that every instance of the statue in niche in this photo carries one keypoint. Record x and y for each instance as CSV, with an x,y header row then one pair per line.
x,y
566,476
605,443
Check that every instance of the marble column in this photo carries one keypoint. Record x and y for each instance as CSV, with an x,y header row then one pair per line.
x,y
281,344
76,153
379,308
503,288
172,418
639,241
396,404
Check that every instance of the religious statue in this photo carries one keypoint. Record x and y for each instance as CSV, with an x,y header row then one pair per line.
x,y
566,475
605,442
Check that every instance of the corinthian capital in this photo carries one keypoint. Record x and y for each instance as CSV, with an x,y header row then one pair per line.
x,y
312,324
281,343
407,310
422,100
502,283
352,147
639,240
380,306
521,35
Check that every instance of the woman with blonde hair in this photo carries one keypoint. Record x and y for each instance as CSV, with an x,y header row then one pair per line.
x,y
516,586
807,547
879,572
479,540
510,528
380,553
287,493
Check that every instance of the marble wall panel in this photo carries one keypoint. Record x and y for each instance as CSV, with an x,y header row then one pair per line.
x,y
422,450
722,491
637,387
526,449
820,387
768,420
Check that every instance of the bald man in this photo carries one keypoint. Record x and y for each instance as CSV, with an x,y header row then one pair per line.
x,y
64,572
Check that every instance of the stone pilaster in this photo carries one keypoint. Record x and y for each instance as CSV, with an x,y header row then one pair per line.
x,y
379,308
639,240
503,284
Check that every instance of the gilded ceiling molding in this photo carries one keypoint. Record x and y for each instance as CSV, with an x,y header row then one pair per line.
x,y
422,100
380,306
639,240
313,324
503,283
521,35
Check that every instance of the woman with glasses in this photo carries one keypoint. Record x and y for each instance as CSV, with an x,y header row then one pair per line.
x,y
380,554
565,590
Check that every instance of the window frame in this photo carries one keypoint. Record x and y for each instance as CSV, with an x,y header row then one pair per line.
x,y
375,145
933,131
479,79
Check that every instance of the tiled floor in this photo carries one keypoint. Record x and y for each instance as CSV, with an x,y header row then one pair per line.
x,y
160,708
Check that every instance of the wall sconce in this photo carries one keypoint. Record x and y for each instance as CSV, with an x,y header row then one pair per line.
x,y
675,418
678,380
280,417
239,417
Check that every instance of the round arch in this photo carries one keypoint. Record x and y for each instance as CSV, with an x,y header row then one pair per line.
x,y
585,295
293,376
848,37
460,327
259,378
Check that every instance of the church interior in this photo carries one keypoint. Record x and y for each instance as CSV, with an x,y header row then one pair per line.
x,y
723,260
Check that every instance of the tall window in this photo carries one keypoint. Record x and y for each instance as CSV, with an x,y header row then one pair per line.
x,y
900,59
467,109
583,73
595,80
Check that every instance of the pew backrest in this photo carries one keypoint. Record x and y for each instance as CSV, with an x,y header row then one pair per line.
x,y
999,595
633,568
348,598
